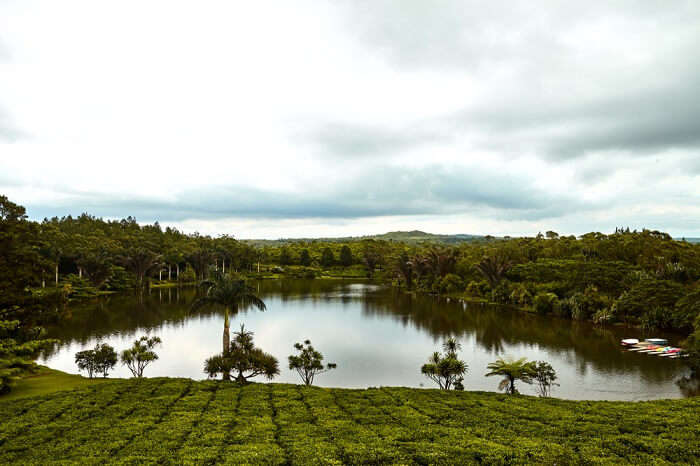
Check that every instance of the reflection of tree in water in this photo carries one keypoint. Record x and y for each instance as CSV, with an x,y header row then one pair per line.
x,y
495,327
127,315
492,327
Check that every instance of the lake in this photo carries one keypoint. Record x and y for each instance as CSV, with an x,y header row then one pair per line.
x,y
377,335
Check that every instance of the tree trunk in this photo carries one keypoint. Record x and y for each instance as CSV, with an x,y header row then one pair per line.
x,y
169,272
160,275
258,266
43,283
223,266
56,273
80,272
226,342
177,271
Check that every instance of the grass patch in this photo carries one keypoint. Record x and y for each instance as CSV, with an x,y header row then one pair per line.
x,y
164,420
46,381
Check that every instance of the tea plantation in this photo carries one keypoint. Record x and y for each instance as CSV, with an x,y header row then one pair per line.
x,y
169,421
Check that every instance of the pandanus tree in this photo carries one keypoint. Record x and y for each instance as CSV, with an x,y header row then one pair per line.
x,y
243,358
512,370
231,293
140,355
446,370
309,362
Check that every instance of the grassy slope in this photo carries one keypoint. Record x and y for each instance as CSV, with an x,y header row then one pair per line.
x,y
46,381
180,420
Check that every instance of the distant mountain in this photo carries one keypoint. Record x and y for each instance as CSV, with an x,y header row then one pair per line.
x,y
410,237
692,240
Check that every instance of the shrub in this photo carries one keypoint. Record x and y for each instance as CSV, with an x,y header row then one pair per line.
x,y
244,358
546,303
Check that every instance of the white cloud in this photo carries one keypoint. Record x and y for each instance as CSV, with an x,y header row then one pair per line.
x,y
126,108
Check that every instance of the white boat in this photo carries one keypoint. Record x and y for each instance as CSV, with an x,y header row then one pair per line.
x,y
629,342
657,341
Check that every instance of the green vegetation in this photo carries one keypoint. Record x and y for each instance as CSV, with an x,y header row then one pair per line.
x,y
95,361
182,421
20,341
308,363
243,357
43,381
230,293
511,371
446,370
140,355
640,278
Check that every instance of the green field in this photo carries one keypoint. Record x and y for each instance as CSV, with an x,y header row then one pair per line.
x,y
164,420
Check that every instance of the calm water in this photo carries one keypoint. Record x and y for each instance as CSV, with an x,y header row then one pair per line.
x,y
376,335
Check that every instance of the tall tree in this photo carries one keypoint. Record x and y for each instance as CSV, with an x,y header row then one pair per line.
x,y
494,268
231,293
345,256
140,261
327,257
20,261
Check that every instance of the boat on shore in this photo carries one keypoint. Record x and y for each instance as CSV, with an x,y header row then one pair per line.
x,y
656,346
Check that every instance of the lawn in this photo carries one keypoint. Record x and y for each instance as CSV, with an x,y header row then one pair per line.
x,y
165,420
46,381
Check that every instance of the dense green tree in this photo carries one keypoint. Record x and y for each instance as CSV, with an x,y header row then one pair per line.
x,y
140,355
285,258
305,258
327,257
140,261
494,268
244,359
17,351
101,359
404,269
345,256
20,261
308,363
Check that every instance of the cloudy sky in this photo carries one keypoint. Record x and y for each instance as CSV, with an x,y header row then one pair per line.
x,y
329,118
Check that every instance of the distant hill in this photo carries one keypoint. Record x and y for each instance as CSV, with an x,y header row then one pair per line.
x,y
410,237
692,240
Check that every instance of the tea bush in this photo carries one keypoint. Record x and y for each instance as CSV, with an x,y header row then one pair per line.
x,y
163,420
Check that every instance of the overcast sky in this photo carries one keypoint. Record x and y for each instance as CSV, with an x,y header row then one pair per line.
x,y
331,118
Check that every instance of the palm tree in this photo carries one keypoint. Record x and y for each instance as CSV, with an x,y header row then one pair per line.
x,y
512,370
494,268
140,261
231,293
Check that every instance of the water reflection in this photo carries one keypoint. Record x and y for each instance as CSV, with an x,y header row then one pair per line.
x,y
386,335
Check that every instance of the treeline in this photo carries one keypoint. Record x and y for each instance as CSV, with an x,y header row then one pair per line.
x,y
639,277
